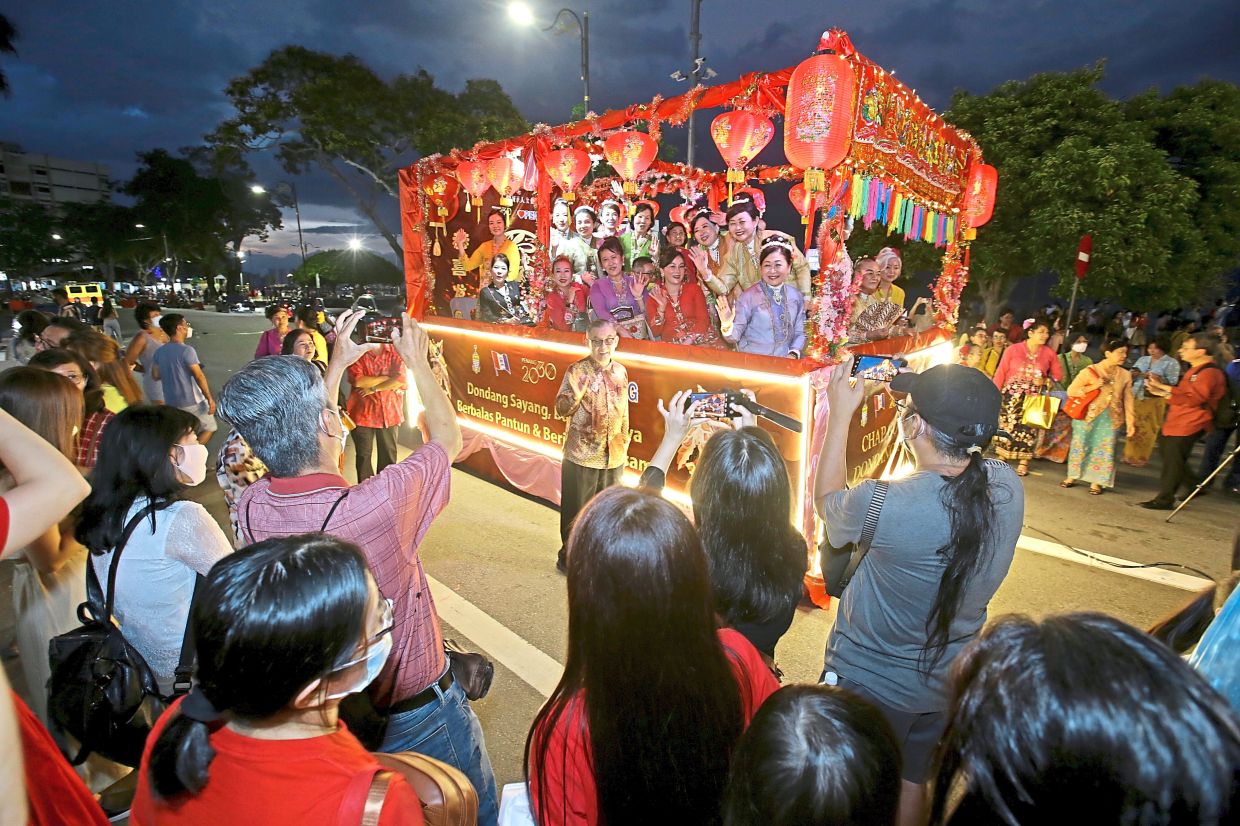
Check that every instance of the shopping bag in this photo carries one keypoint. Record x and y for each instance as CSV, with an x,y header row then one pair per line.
x,y
1039,411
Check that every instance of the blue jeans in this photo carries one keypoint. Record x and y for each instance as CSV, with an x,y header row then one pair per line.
x,y
448,730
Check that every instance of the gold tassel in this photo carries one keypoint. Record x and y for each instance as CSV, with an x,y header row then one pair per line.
x,y
815,181
630,187
436,251
736,176
469,200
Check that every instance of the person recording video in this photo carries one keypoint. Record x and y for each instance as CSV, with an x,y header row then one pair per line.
x,y
944,541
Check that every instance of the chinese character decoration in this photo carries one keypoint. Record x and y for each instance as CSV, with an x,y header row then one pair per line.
x,y
818,115
631,154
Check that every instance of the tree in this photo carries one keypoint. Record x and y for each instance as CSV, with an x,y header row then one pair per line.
x,y
334,113
27,241
8,36
103,233
196,217
1199,129
348,267
1070,161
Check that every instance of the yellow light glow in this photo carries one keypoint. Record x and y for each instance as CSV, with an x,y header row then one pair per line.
x,y
520,14
631,358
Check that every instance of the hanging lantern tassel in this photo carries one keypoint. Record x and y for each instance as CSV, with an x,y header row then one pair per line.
x,y
468,202
815,181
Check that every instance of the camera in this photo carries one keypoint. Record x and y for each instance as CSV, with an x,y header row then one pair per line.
x,y
375,328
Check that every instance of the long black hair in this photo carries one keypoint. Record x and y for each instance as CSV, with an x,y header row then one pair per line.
x,y
742,506
1084,719
814,754
272,618
133,461
968,499
646,675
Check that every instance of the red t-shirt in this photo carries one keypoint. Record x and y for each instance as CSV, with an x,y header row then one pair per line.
x,y
572,796
318,781
54,792
1194,401
385,408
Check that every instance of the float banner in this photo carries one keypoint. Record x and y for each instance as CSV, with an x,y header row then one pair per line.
x,y
503,382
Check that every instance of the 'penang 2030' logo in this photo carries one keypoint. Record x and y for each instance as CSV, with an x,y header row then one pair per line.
x,y
534,370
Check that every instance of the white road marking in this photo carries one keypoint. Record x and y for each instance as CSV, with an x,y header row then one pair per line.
x,y
1159,576
537,669
542,672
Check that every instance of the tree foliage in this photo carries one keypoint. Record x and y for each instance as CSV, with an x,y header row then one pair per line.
x,y
1158,194
26,237
334,113
8,37
348,267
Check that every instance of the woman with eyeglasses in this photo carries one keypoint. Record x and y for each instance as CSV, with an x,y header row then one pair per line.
x,y
285,629
95,414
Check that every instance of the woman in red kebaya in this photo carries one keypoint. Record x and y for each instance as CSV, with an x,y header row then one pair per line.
x,y
642,725
566,303
677,308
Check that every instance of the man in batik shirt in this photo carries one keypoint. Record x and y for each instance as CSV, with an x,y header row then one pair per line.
x,y
594,398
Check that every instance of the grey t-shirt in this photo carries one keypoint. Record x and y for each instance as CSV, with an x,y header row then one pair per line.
x,y
173,361
880,627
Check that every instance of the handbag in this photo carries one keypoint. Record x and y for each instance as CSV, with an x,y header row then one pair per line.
x,y
1039,410
840,564
102,693
473,671
1078,406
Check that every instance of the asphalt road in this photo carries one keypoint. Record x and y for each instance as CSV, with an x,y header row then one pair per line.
x,y
493,551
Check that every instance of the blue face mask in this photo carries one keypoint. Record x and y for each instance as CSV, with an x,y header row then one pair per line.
x,y
376,657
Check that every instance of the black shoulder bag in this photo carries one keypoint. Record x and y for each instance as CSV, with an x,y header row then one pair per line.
x,y
840,564
102,693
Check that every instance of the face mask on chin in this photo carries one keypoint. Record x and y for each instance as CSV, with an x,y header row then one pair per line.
x,y
192,463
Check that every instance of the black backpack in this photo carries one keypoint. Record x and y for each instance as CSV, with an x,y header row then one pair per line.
x,y
1228,411
102,694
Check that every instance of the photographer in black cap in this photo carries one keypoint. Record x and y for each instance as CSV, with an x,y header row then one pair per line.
x,y
944,540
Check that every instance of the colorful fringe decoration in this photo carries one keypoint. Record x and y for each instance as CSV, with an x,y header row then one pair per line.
x,y
872,200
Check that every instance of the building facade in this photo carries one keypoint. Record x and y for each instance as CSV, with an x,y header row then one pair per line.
x,y
48,180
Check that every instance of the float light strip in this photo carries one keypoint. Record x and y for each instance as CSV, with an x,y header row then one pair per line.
x,y
542,449
662,361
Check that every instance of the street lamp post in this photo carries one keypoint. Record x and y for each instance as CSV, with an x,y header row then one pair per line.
x,y
522,16
301,241
699,71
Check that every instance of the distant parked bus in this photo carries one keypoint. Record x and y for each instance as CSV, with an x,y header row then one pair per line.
x,y
83,293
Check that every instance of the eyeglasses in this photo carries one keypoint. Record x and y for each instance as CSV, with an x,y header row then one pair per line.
x,y
601,342
45,342
386,623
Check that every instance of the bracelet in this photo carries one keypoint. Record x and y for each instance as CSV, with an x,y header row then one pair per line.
x,y
725,329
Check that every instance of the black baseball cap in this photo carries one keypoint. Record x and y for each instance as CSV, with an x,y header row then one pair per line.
x,y
961,402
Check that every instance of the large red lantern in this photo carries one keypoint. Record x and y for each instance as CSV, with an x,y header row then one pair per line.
x,y
630,154
979,199
473,178
502,173
566,168
442,191
804,201
818,115
739,137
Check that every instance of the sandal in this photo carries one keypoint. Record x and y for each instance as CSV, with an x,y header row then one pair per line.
x,y
1068,483
1095,490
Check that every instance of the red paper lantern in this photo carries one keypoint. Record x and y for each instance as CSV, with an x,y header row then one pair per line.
x,y
804,201
502,173
630,154
739,137
566,168
442,193
979,199
818,116
679,214
473,178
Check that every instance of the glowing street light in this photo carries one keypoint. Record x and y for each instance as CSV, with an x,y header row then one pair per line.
x,y
355,244
257,190
520,14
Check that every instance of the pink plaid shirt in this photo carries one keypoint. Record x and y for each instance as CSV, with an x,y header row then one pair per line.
x,y
386,516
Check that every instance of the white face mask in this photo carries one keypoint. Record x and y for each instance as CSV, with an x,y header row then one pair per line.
x,y
189,332
376,657
154,322
192,464
1080,347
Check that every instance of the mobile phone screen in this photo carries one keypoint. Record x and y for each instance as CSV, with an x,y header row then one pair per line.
x,y
714,405
877,368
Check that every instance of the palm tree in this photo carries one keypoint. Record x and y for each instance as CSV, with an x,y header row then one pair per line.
x,y
8,35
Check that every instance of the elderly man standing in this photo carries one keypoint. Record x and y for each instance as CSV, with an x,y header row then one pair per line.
x,y
280,406
594,397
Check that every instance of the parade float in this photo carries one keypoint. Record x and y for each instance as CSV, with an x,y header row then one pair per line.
x,y
859,145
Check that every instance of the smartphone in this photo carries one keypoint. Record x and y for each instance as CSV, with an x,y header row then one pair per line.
x,y
374,328
714,405
877,368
